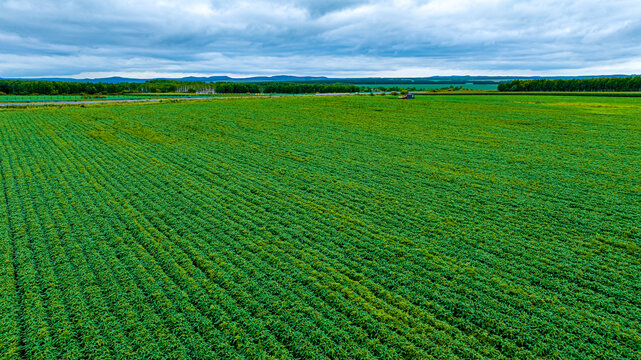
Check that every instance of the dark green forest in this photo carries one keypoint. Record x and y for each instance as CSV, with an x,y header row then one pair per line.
x,y
275,87
29,87
575,85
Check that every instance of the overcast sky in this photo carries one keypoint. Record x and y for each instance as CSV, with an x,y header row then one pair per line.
x,y
352,38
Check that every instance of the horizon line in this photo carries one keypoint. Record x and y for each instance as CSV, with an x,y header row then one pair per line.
x,y
248,77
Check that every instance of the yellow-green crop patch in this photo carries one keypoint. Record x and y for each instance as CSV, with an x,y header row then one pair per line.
x,y
495,226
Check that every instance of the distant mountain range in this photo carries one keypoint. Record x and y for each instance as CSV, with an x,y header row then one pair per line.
x,y
117,79
323,79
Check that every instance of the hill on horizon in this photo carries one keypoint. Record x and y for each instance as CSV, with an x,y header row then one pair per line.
x,y
292,78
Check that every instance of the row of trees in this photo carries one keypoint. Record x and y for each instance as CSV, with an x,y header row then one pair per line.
x,y
577,85
283,88
28,87
37,87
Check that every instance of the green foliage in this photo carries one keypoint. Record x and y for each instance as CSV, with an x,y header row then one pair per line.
x,y
574,85
322,227
26,87
283,88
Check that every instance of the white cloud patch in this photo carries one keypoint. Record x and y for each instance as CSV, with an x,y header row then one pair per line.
x,y
308,37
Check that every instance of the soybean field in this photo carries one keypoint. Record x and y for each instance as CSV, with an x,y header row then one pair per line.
x,y
342,227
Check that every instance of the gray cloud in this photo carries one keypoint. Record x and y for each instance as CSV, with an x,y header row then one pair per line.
x,y
332,37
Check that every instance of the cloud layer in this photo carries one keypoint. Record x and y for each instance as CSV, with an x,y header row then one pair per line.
x,y
306,37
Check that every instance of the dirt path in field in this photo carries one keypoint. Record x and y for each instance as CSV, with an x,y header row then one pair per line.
x,y
79,102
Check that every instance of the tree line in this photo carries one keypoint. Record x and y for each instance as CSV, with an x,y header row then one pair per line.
x,y
283,88
37,87
574,85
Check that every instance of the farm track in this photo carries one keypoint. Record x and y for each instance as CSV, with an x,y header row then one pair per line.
x,y
309,228
181,98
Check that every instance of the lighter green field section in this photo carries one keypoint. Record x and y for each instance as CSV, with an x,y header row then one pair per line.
x,y
335,227
34,98
431,86
47,98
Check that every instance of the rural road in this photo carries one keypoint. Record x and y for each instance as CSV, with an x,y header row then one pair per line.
x,y
44,103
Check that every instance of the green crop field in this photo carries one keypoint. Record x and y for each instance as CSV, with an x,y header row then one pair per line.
x,y
37,98
49,98
356,227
